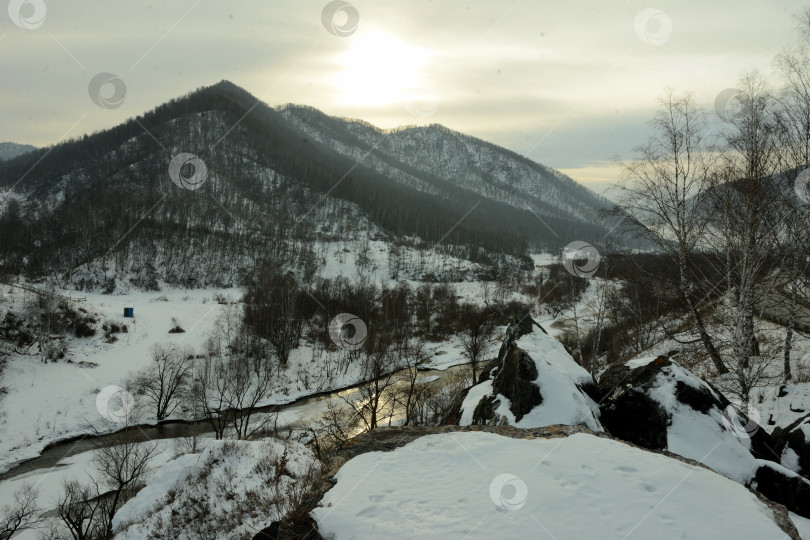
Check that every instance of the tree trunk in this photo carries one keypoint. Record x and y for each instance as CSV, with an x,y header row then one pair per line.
x,y
704,335
791,321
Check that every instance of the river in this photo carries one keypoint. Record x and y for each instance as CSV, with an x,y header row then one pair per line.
x,y
292,416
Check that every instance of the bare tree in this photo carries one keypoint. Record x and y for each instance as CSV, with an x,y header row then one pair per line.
x,y
210,387
80,508
600,308
275,310
424,308
250,374
122,465
575,319
666,189
440,403
165,380
235,376
379,368
20,515
476,335
793,122
86,509
190,442
411,354
747,216
333,429
210,392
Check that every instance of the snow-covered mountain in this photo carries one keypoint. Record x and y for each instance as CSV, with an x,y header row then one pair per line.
x,y
266,178
10,150
433,158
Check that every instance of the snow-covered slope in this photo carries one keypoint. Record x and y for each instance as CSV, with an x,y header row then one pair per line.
x,y
703,436
481,485
49,402
780,406
106,203
227,491
10,150
420,154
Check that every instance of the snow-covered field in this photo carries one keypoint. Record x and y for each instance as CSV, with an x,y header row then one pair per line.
x,y
46,403
49,402
58,400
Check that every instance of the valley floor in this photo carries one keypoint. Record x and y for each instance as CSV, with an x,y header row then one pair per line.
x,y
49,403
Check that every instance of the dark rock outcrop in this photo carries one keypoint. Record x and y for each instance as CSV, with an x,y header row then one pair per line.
x,y
513,376
515,380
627,412
630,414
792,492
636,418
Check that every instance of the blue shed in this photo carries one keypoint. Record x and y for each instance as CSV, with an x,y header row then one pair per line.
x,y
129,312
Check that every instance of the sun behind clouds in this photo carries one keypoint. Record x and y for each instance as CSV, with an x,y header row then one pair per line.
x,y
379,70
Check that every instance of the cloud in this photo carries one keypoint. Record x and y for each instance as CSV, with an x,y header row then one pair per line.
x,y
573,75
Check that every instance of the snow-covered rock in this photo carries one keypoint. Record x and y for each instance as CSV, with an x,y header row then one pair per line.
x,y
485,485
782,405
660,405
794,443
536,383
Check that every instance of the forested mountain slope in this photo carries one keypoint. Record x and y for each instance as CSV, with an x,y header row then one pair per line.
x,y
269,183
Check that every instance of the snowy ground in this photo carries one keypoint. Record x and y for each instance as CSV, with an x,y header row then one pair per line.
x,y
50,402
49,482
58,400
47,403
230,475
481,485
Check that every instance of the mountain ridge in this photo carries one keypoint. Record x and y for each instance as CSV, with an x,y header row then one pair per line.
x,y
276,177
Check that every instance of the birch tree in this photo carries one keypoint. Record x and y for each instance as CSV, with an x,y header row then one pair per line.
x,y
793,122
665,189
747,213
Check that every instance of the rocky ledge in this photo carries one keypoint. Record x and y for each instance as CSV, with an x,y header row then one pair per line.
x,y
387,439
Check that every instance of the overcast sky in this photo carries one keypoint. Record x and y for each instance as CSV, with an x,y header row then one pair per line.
x,y
571,84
